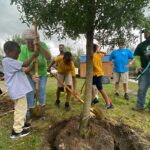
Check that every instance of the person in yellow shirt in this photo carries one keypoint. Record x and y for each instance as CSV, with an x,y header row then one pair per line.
x,y
98,73
66,73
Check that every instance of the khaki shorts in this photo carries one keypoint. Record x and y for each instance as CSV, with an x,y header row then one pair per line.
x,y
65,78
123,77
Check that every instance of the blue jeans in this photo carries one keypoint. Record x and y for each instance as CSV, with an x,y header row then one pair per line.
x,y
144,83
31,95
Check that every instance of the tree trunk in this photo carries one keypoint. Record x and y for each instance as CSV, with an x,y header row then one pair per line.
x,y
88,85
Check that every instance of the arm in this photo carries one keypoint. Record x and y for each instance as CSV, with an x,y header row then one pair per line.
x,y
44,50
28,61
49,67
131,62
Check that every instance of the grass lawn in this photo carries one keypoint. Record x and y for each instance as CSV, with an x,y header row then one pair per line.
x,y
121,113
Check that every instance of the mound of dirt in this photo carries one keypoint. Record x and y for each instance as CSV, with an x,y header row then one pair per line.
x,y
6,105
103,136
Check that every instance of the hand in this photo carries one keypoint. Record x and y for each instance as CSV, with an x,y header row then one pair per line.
x,y
138,70
36,53
128,65
35,78
26,69
49,69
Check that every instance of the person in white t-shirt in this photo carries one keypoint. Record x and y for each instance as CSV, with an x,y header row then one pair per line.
x,y
18,85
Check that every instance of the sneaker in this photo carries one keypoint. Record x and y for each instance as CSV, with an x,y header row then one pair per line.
x,y
67,106
57,103
15,135
94,101
137,108
126,96
27,125
117,94
109,106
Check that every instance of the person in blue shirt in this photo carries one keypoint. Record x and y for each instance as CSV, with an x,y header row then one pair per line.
x,y
122,59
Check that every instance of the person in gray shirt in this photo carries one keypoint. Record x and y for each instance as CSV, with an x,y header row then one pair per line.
x,y
18,85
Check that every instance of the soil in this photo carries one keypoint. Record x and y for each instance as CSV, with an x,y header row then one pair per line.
x,y
103,136
6,105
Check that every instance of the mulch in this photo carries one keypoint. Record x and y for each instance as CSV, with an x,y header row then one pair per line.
x,y
6,105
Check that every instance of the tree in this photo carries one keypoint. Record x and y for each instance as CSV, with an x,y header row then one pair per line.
x,y
88,17
16,38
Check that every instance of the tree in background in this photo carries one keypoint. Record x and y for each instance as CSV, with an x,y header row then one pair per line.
x,y
16,38
88,17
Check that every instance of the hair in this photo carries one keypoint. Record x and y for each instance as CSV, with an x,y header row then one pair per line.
x,y
95,47
67,56
11,46
61,45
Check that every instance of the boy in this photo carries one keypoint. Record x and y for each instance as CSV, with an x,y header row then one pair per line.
x,y
18,85
66,72
122,58
97,76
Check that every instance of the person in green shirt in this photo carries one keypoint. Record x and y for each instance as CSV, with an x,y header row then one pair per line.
x,y
44,55
142,60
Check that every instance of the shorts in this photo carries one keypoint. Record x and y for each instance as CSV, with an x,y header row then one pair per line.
x,y
98,82
65,78
118,76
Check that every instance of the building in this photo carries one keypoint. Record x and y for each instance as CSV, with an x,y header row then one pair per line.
x,y
107,66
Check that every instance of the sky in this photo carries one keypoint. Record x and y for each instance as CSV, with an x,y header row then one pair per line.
x,y
10,25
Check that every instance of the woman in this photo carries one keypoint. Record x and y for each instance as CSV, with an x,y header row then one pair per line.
x,y
44,55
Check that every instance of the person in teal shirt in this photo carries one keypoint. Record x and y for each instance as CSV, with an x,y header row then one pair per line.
x,y
44,55
142,60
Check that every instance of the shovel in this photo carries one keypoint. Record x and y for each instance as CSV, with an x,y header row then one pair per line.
x,y
95,110
37,111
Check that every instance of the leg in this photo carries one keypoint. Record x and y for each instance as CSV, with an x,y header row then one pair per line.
x,y
19,114
68,96
68,82
94,92
116,76
124,79
143,87
42,94
105,96
59,89
117,88
30,99
101,90
58,93
125,87
42,90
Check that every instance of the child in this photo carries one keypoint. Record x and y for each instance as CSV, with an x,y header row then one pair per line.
x,y
18,85
97,76
66,73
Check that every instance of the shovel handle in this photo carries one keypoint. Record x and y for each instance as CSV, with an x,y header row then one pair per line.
x,y
36,40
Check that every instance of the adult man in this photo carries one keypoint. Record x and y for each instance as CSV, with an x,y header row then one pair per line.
x,y
61,49
120,58
142,56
